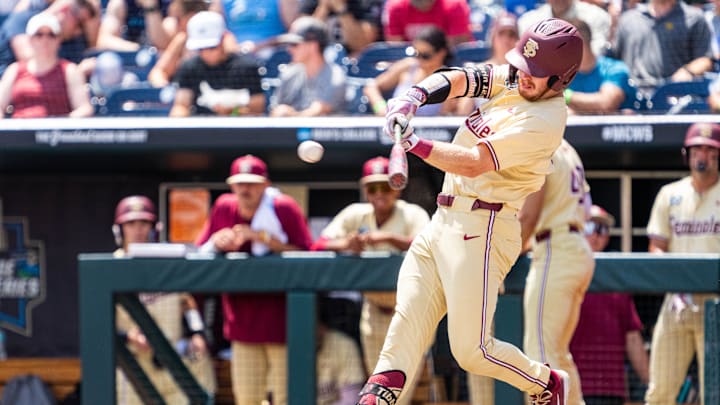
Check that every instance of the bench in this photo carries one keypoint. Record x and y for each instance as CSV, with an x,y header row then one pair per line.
x,y
60,374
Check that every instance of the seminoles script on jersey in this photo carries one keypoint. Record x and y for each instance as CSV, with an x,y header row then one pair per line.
x,y
695,227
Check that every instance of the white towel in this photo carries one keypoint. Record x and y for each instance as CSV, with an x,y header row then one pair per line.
x,y
266,220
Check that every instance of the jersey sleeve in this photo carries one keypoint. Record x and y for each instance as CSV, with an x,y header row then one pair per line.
x,y
659,224
293,222
343,223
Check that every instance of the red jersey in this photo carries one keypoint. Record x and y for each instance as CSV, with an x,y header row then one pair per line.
x,y
256,317
40,96
402,19
598,346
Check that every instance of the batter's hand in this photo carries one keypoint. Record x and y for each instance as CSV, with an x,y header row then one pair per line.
x,y
401,110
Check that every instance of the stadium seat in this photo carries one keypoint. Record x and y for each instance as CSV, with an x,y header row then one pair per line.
x,y
471,52
273,61
676,97
138,101
356,103
376,58
139,62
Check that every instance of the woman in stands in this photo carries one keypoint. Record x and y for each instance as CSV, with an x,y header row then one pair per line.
x,y
45,85
432,52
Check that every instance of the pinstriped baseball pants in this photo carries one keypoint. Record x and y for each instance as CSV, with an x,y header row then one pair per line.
x,y
455,267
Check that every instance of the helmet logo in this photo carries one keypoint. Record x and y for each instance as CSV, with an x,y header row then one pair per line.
x,y
530,48
136,205
705,131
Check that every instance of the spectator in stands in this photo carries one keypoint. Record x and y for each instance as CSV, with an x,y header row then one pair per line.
x,y
309,86
713,19
6,8
608,329
340,373
354,24
405,18
109,74
45,85
163,71
431,52
504,34
684,220
713,99
79,23
597,18
257,219
215,81
663,40
129,24
384,223
256,24
136,222
79,26
601,86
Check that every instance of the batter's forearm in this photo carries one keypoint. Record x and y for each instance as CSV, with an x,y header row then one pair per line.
x,y
468,162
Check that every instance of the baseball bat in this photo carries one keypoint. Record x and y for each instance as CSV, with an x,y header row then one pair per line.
x,y
398,165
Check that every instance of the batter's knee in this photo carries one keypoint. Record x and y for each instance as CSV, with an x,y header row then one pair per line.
x,y
472,358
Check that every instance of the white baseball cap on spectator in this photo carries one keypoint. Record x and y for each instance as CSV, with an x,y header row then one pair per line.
x,y
42,20
205,30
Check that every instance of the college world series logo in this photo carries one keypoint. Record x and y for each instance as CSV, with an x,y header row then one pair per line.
x,y
22,275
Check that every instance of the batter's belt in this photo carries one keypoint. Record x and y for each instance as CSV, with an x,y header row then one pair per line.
x,y
546,233
447,200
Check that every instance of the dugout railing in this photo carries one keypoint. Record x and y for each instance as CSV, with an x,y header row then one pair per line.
x,y
102,278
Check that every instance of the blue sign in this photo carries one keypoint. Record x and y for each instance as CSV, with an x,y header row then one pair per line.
x,y
22,275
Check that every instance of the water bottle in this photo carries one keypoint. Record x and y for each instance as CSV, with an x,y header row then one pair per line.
x,y
3,352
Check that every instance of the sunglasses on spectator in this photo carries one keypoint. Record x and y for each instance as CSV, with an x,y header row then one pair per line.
x,y
41,34
424,55
375,187
593,227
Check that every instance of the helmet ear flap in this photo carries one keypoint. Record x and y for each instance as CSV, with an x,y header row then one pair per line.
x,y
117,234
155,232
554,83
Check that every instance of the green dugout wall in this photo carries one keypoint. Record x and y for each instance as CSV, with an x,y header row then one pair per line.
x,y
102,278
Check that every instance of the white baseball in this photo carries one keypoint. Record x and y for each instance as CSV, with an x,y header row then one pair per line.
x,y
310,151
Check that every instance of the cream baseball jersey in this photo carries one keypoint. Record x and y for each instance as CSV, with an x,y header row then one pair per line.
x,y
563,202
521,136
689,221
407,219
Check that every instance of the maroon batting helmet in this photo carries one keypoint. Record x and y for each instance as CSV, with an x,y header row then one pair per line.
x,y
134,208
703,134
550,48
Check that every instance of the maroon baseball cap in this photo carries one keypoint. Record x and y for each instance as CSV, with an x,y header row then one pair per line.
x,y
375,170
703,134
247,169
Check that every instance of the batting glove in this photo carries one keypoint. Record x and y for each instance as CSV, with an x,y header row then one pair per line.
x,y
401,110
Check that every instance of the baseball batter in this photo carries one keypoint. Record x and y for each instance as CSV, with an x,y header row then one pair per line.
x,y
562,264
684,219
499,156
